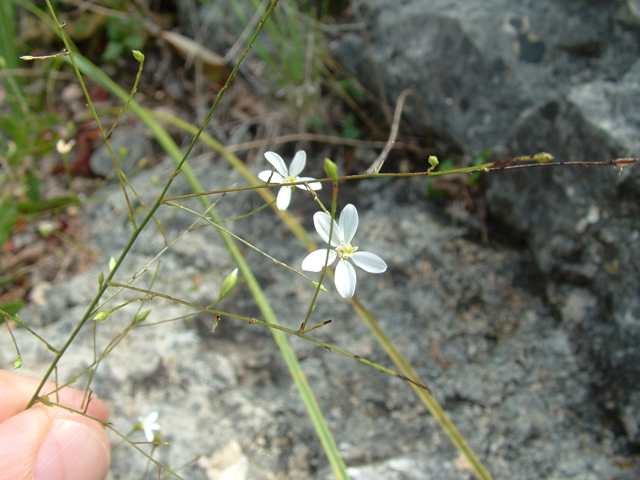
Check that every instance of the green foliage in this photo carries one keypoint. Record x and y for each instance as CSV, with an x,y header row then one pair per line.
x,y
22,142
124,34
349,128
433,192
351,89
468,180
291,48
474,178
8,216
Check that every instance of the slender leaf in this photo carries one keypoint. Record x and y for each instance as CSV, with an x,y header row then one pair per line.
x,y
8,213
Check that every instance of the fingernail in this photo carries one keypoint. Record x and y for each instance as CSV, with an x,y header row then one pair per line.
x,y
71,451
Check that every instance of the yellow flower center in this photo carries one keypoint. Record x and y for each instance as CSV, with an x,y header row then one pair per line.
x,y
345,250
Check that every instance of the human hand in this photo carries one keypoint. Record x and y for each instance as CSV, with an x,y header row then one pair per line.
x,y
49,442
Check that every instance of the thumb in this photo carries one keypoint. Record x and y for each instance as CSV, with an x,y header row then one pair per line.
x,y
46,443
51,443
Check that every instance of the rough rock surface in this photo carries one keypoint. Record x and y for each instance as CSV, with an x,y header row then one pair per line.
x,y
561,77
467,317
477,66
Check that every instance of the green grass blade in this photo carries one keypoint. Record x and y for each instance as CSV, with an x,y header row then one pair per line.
x,y
313,409
9,52
8,47
430,402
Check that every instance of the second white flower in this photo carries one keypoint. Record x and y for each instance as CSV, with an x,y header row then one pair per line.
x,y
284,175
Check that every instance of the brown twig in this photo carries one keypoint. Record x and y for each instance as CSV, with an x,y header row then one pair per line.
x,y
377,164
312,137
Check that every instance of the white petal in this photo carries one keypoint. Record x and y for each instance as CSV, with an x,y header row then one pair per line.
x,y
348,222
310,180
322,222
345,279
152,417
315,261
284,198
369,262
298,163
265,175
276,160
148,433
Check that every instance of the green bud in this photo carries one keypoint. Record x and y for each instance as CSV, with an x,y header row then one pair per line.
x,y
100,279
321,286
542,157
138,55
228,284
140,316
101,316
433,161
331,169
18,363
112,263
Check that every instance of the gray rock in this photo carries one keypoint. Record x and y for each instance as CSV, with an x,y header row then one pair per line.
x,y
582,223
477,66
130,146
560,77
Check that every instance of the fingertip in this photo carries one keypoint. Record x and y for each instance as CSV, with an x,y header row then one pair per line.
x,y
72,451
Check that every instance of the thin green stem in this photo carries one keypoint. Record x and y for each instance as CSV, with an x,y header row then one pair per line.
x,y
274,326
312,305
145,454
429,401
16,318
133,92
240,239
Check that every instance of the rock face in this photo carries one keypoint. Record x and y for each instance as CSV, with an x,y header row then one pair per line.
x,y
477,66
560,77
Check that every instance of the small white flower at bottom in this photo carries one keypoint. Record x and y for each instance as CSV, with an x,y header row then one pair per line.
x,y
64,147
343,231
284,175
148,425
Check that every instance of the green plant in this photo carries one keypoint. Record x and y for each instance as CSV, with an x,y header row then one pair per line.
x,y
442,188
291,50
107,304
124,35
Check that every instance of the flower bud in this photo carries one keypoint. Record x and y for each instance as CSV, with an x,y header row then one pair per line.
x,y
101,316
331,169
228,284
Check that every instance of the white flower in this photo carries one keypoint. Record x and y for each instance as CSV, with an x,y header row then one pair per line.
x,y
148,425
284,175
343,232
64,147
